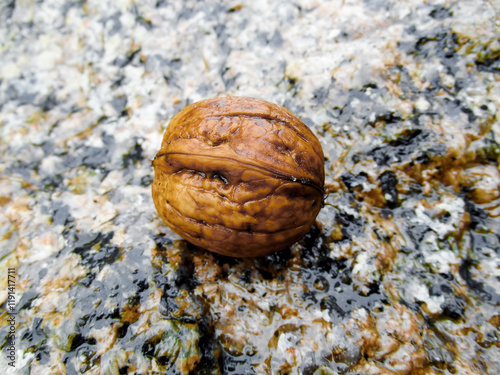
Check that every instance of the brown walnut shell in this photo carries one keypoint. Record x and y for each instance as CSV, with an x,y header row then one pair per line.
x,y
238,176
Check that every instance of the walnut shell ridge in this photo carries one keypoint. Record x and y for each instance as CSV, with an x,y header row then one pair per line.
x,y
238,176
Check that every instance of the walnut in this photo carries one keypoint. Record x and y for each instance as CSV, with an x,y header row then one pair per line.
x,y
238,176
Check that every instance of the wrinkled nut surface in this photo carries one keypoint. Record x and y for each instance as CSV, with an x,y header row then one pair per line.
x,y
238,176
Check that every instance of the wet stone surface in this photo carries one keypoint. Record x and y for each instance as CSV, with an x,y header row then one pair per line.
x,y
399,275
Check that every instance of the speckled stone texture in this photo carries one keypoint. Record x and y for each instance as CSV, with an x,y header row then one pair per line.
x,y
400,274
